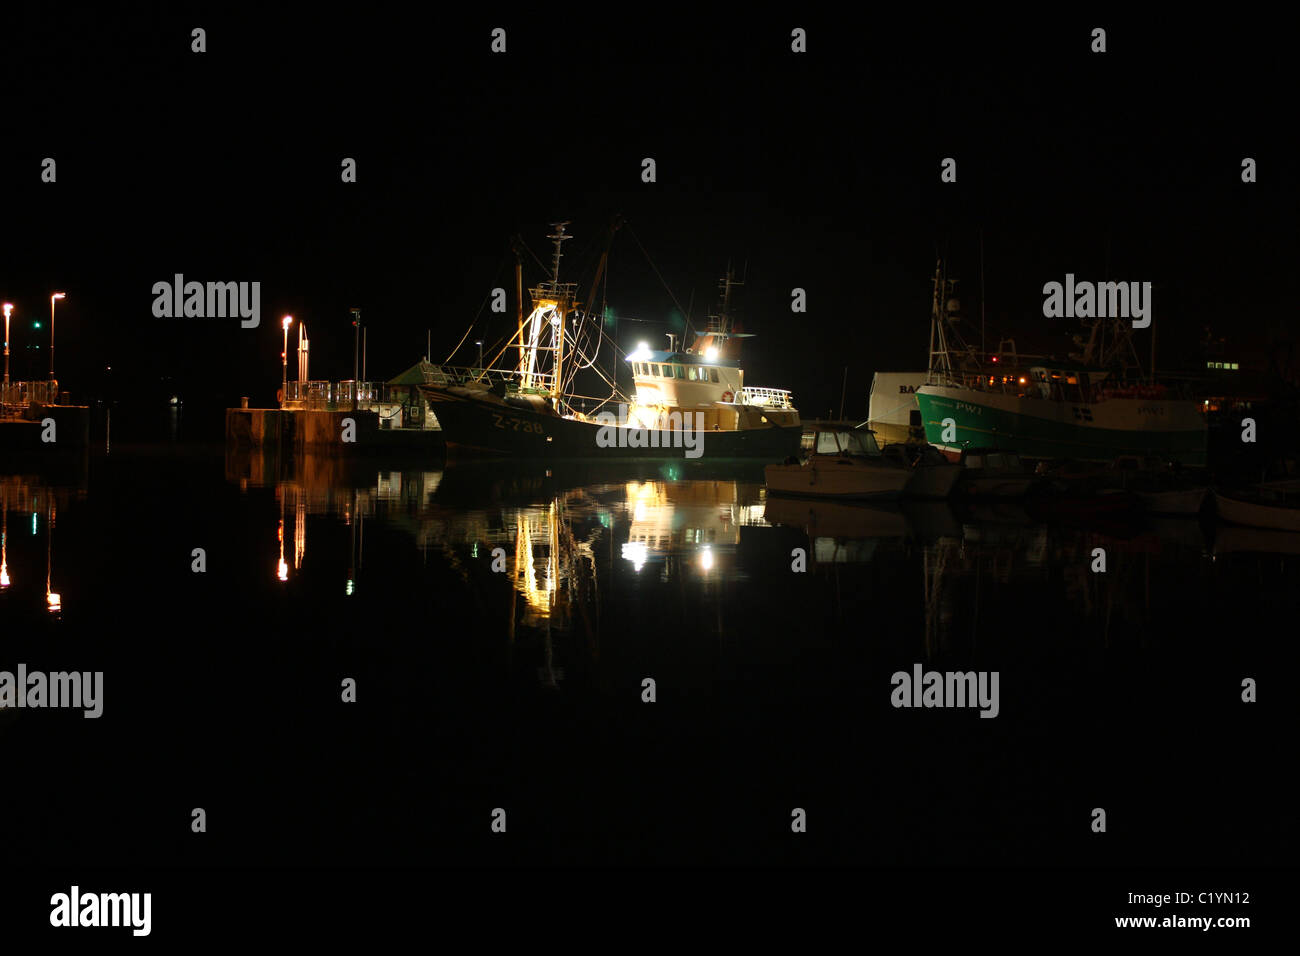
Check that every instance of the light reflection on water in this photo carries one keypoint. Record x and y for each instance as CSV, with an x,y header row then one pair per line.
x,y
562,538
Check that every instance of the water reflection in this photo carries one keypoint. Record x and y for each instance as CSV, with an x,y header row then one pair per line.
x,y
29,513
572,543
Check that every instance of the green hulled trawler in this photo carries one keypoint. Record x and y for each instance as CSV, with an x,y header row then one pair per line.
x,y
1095,405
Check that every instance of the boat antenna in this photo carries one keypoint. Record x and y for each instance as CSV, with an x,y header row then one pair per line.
x,y
983,345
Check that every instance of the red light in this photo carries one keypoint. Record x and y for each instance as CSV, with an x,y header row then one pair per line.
x,y
995,360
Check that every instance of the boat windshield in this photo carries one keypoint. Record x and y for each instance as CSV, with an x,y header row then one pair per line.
x,y
855,443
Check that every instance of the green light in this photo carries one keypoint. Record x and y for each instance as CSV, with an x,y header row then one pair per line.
x,y
36,325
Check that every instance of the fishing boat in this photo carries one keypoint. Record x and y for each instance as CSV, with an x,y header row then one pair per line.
x,y
1093,405
689,401
1274,505
843,463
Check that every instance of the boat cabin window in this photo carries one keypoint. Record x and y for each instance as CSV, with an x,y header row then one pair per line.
x,y
713,375
654,370
860,444
693,373
681,371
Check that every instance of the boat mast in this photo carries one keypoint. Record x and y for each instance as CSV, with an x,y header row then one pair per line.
x,y
552,300
519,296
940,363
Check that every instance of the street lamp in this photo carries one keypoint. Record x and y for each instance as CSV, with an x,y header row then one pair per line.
x,y
479,343
57,295
284,361
8,307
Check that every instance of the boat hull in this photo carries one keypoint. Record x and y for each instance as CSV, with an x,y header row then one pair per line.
x,y
1253,514
845,481
489,427
933,482
954,418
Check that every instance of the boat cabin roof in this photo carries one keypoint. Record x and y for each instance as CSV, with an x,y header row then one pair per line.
x,y
682,358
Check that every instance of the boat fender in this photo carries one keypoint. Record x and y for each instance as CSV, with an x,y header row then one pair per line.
x,y
279,396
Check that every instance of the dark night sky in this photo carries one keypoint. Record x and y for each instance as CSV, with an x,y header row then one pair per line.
x,y
819,171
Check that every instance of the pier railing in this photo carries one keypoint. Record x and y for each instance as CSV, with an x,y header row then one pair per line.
x,y
22,394
332,396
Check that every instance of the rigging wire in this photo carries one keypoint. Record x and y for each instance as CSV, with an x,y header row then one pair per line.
x,y
637,239
491,286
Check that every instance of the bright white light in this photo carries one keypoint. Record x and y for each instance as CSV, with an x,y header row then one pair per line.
x,y
635,551
641,354
711,354
706,558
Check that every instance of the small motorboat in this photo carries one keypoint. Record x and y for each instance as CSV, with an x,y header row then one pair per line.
x,y
1274,505
840,462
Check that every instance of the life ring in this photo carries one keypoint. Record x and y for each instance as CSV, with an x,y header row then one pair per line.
x,y
728,395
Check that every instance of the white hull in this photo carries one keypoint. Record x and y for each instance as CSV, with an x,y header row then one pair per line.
x,y
1255,515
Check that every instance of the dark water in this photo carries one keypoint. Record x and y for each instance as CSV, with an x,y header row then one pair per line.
x,y
522,689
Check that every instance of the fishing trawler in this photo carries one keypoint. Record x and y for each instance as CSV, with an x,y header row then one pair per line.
x,y
1094,406
688,402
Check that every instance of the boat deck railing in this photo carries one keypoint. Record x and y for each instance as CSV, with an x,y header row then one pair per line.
x,y
1024,386
445,375
767,397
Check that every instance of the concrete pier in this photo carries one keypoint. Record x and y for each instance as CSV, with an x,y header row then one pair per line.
x,y
294,431
30,430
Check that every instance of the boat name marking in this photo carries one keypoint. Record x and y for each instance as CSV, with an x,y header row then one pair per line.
x,y
516,424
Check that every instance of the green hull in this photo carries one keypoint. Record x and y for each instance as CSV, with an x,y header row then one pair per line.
x,y
955,418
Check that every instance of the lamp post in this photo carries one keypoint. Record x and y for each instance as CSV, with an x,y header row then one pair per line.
x,y
479,343
284,361
8,307
356,346
53,298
